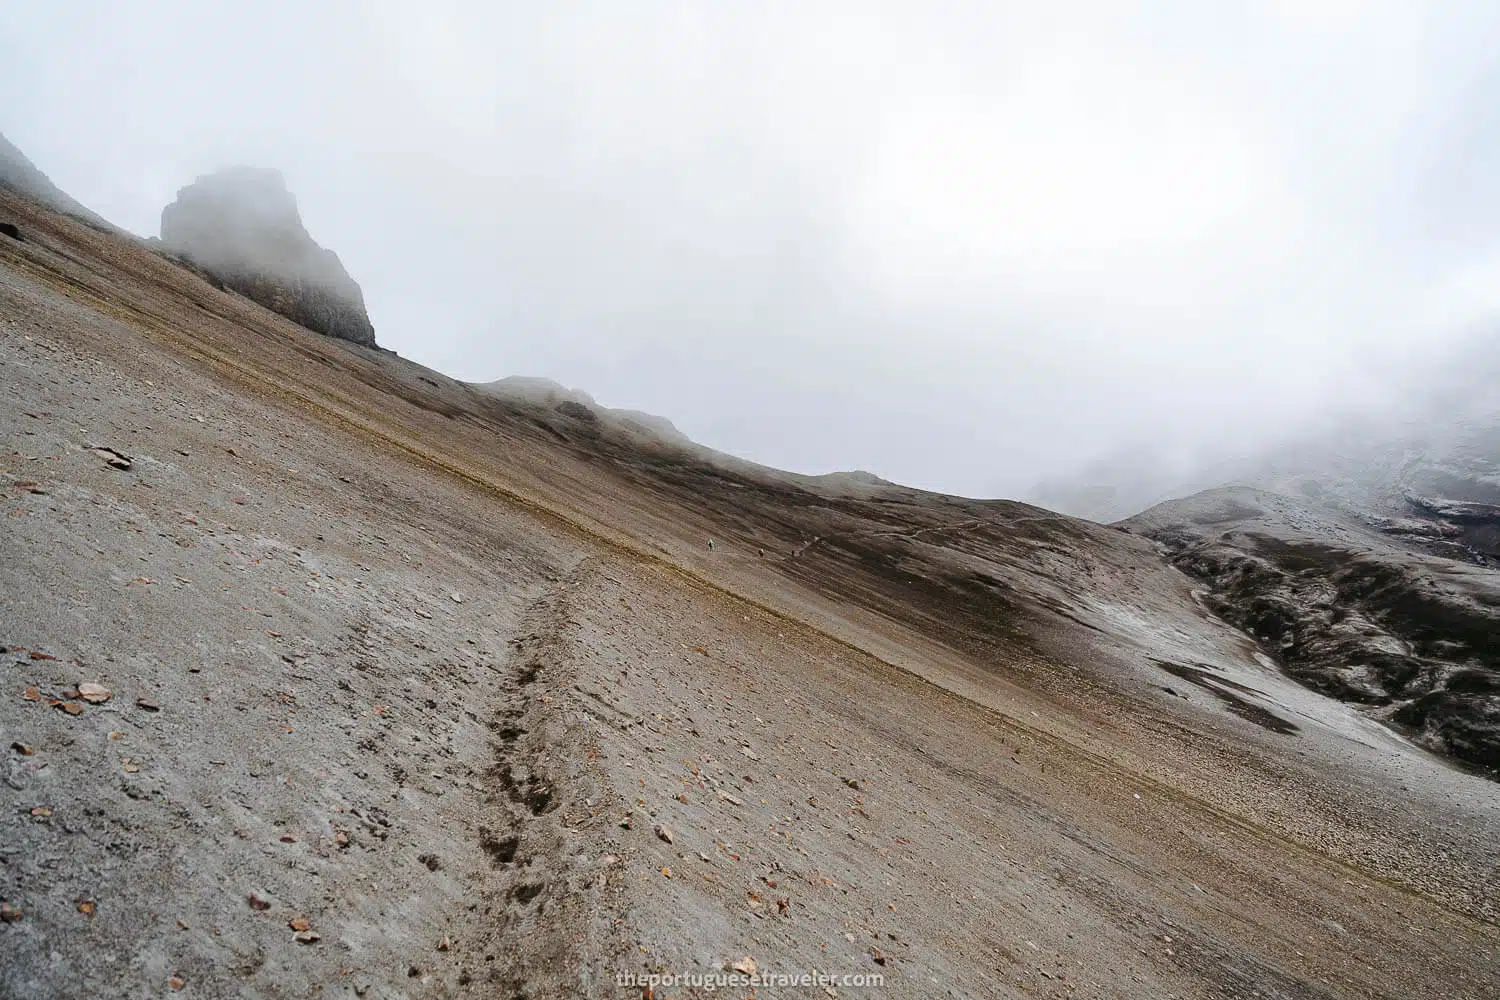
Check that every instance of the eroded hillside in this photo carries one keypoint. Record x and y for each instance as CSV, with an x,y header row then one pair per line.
x,y
1398,614
414,689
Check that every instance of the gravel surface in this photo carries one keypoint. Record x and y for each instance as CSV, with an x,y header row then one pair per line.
x,y
343,688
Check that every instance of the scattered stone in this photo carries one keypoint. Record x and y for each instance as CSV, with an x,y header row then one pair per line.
x,y
746,966
94,694
444,944
147,704
309,937
87,907
299,924
258,902
112,458
664,832
9,914
22,749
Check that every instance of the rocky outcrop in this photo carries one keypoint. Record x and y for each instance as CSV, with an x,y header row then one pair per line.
x,y
242,226
582,408
1399,614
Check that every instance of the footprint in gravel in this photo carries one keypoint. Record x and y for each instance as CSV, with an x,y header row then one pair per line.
x,y
539,800
502,850
528,891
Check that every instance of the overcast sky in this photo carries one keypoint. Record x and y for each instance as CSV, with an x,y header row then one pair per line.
x,y
964,246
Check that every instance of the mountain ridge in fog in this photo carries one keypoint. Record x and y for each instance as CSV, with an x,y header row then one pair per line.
x,y
242,225
1438,433
19,173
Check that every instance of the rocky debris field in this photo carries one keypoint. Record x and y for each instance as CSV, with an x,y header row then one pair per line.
x,y
1381,613
322,678
258,729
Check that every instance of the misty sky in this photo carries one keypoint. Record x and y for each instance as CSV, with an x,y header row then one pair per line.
x,y
964,246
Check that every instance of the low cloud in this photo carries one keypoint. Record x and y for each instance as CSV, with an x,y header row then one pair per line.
x,y
965,246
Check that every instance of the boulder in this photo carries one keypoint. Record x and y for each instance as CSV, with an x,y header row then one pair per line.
x,y
241,225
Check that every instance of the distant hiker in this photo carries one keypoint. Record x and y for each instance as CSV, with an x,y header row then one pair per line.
x,y
762,553
710,545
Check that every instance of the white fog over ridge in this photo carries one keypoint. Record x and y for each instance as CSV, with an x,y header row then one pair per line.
x,y
967,248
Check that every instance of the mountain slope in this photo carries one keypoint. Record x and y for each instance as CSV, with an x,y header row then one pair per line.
x,y
1370,576
455,678
22,176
